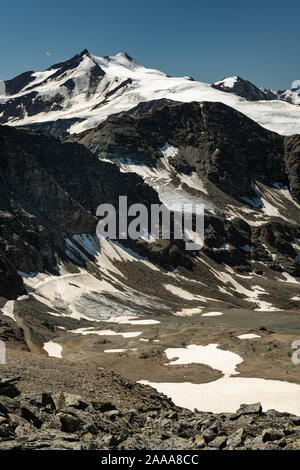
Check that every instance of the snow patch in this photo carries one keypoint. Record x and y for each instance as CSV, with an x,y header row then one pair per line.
x,y
91,331
228,82
53,349
226,394
8,309
123,319
212,314
119,350
211,355
168,150
248,336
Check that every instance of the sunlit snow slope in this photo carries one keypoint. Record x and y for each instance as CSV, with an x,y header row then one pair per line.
x,y
87,89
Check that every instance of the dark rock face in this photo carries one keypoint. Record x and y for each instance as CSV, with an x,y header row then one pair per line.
x,y
12,334
50,191
32,103
245,89
215,140
147,107
227,149
11,283
56,128
69,64
16,84
292,161
122,85
8,387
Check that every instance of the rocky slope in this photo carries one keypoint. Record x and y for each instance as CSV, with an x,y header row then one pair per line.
x,y
193,153
49,192
292,152
61,420
160,150
207,138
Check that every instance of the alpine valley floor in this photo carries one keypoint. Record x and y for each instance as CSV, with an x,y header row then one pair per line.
x,y
211,361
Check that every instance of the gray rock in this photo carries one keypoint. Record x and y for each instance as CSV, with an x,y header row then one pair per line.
x,y
103,406
199,442
272,435
208,435
245,409
218,443
74,401
236,439
295,420
70,423
64,421
8,405
31,414
8,386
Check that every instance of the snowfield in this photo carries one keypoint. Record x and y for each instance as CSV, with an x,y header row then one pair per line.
x,y
211,355
53,349
226,394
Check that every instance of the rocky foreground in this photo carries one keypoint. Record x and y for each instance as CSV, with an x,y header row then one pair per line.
x,y
61,420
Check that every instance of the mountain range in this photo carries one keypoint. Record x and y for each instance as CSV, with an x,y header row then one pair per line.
x,y
90,129
82,92
169,150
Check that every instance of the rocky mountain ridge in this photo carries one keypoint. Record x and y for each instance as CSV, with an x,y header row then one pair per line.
x,y
67,295
52,187
83,91
49,192
251,92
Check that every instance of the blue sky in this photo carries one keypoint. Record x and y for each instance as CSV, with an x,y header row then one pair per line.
x,y
258,40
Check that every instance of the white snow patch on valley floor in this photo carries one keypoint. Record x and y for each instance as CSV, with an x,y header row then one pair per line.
x,y
130,320
226,394
248,336
211,355
188,312
91,331
144,322
53,349
212,314
119,350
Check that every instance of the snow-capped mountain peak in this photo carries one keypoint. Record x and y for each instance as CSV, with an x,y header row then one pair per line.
x,y
81,92
228,82
245,89
122,65
295,85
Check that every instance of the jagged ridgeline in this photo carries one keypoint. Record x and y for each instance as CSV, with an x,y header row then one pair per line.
x,y
80,93
246,177
212,327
